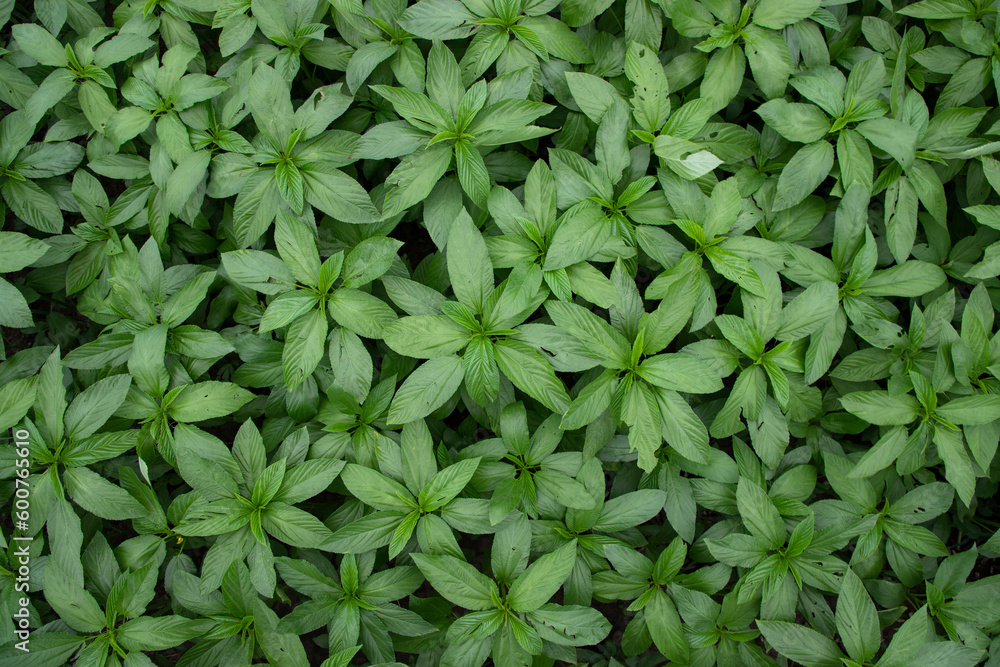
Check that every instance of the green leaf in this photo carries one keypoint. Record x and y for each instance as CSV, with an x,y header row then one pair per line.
x,y
958,468
304,347
664,626
48,648
415,176
297,247
641,412
16,398
580,233
949,654
469,264
879,407
205,463
981,409
570,625
458,582
803,174
100,497
592,400
149,633
19,250
650,95
739,332
803,123
681,427
680,372
207,400
365,534
34,206
185,178
630,509
910,279
857,621
447,484
800,643
542,579
907,641
776,14
901,218
426,389
531,373
444,19
337,194
426,336
985,215
184,301
74,605
294,526
375,489
723,77
365,60
809,312
736,269
287,308
482,375
759,514
593,94
307,479
268,483
351,363
770,60
14,310
882,454
472,172
146,362
592,331
360,312
40,45
563,489
894,137
270,104
369,260
95,405
923,503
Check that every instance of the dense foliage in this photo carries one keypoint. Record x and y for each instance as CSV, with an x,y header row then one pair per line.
x,y
611,332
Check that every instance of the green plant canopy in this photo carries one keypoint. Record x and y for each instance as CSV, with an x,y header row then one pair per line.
x,y
521,333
